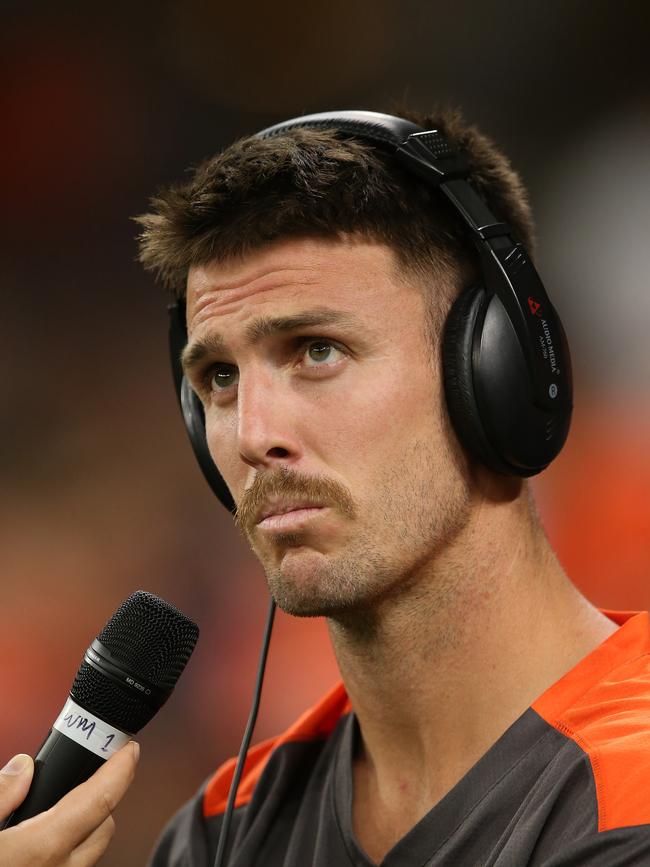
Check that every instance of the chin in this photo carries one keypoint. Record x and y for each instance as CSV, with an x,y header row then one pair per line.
x,y
307,583
299,603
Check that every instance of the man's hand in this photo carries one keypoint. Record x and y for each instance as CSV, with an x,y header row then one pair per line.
x,y
77,830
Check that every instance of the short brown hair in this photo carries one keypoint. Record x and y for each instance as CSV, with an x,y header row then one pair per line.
x,y
316,183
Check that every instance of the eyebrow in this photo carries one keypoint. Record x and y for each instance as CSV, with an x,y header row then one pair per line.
x,y
262,327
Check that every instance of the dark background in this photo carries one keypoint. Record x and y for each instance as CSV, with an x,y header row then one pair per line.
x,y
104,103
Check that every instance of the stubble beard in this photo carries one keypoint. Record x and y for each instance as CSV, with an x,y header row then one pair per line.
x,y
414,516
325,586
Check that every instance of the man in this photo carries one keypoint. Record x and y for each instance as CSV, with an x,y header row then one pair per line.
x,y
489,713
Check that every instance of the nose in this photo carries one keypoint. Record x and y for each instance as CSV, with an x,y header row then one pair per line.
x,y
266,415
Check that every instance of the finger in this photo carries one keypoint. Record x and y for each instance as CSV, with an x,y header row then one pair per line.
x,y
94,846
15,780
87,806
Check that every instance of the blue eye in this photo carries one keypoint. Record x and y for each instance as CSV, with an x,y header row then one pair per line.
x,y
320,351
223,376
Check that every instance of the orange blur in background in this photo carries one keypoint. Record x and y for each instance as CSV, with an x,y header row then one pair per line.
x,y
100,493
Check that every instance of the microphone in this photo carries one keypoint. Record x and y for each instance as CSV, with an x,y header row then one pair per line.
x,y
127,674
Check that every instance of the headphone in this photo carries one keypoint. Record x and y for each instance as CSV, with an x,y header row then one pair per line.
x,y
506,362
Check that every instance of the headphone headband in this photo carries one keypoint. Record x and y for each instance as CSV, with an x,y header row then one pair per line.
x,y
383,130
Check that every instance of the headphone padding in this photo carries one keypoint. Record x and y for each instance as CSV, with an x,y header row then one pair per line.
x,y
465,317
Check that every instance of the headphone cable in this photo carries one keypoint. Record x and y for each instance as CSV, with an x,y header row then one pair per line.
x,y
232,794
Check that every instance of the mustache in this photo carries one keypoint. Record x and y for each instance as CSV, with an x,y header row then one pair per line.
x,y
287,483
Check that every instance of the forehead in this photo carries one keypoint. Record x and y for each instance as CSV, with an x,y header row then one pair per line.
x,y
350,274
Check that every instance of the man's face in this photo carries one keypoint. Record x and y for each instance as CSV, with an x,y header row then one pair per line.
x,y
326,419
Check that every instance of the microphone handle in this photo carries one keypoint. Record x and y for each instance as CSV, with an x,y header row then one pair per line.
x,y
78,743
67,764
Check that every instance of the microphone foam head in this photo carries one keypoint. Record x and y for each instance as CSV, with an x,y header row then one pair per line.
x,y
151,641
152,637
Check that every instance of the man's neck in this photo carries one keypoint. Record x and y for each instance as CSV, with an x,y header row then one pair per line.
x,y
437,675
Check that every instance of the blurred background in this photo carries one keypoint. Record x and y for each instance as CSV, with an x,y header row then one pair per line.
x,y
104,103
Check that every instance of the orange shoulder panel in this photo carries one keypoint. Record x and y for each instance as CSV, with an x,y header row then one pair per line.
x,y
316,723
603,704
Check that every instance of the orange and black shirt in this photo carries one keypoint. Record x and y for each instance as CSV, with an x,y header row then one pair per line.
x,y
567,785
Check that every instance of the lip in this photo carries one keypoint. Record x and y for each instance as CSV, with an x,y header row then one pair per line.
x,y
290,518
281,507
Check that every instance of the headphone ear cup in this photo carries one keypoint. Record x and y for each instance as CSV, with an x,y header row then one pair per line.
x,y
489,389
191,407
194,418
464,320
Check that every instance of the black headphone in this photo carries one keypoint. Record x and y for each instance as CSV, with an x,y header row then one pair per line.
x,y
506,363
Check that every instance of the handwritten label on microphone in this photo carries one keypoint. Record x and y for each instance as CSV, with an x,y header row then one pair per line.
x,y
90,731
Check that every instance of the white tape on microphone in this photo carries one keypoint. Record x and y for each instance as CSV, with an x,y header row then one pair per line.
x,y
90,731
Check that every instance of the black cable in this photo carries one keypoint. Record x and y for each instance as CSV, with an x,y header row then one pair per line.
x,y
248,734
